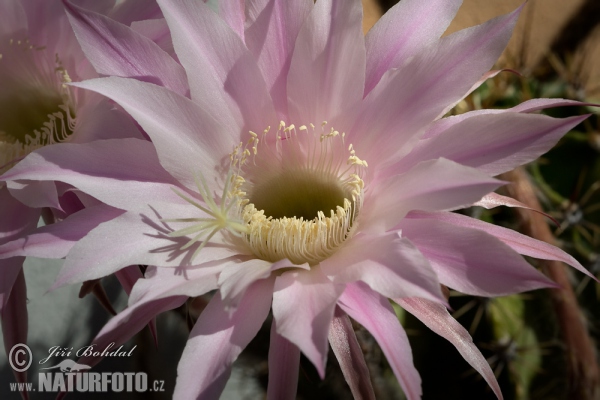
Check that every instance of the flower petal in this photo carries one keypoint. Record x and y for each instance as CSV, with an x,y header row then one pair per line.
x,y
100,119
375,313
471,261
115,49
404,30
123,173
129,11
216,341
55,240
127,277
35,194
350,356
436,317
13,20
173,123
528,106
284,363
408,98
327,72
14,321
520,243
430,186
162,290
130,239
237,277
17,219
389,264
9,271
232,12
156,30
303,306
128,322
488,75
230,84
160,283
493,200
493,143
273,26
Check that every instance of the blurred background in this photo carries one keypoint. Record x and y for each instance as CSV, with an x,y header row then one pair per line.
x,y
541,345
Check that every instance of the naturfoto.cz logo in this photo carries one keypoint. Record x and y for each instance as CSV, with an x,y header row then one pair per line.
x,y
70,376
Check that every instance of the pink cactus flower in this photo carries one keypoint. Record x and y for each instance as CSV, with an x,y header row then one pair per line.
x,y
307,171
39,57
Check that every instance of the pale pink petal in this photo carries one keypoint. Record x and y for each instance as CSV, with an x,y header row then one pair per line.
x,y
13,21
101,119
99,6
162,290
493,143
327,72
55,240
404,30
128,322
216,341
230,85
17,219
409,98
476,85
115,49
303,305
493,200
15,324
284,363
236,277
35,194
232,12
375,313
436,317
128,276
131,239
522,244
472,261
389,264
173,122
156,30
123,173
129,11
167,282
431,186
273,26
9,271
534,105
529,106
350,356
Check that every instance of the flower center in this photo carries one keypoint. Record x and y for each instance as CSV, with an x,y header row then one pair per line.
x,y
296,198
35,104
297,193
